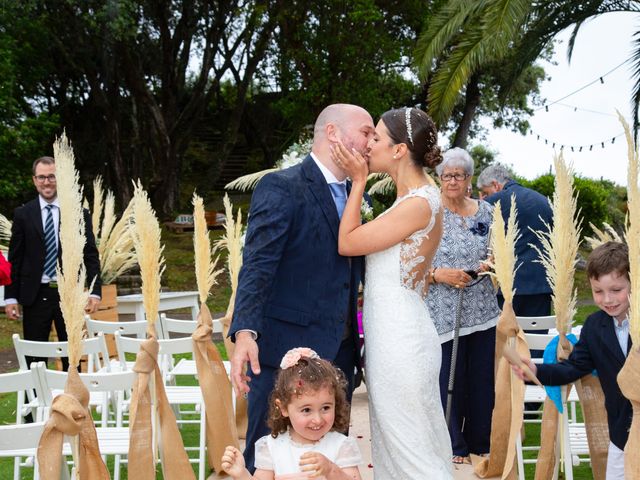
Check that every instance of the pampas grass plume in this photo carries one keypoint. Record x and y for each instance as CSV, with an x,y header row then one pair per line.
x,y
503,241
146,239
632,234
71,282
560,244
206,273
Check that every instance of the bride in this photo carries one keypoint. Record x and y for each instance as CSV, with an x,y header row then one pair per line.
x,y
408,431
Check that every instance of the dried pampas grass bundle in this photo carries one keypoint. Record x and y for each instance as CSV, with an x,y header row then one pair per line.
x,y
248,182
559,253
503,241
71,282
608,234
206,273
5,232
96,212
146,239
232,241
632,234
115,245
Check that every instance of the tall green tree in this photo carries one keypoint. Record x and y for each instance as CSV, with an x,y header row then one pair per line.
x,y
464,38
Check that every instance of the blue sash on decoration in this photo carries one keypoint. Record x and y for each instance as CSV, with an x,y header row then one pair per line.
x,y
549,357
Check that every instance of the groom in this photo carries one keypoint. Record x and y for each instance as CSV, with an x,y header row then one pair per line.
x,y
294,289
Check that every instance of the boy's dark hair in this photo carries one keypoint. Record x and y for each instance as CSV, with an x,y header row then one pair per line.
x,y
608,258
308,375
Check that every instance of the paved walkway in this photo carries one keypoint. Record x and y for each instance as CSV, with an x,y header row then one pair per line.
x,y
360,430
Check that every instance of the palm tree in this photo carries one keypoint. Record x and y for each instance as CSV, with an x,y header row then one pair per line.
x,y
465,38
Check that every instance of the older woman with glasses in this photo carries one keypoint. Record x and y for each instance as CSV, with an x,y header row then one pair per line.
x,y
454,273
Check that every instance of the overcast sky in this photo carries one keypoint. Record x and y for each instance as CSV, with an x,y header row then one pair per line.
x,y
601,45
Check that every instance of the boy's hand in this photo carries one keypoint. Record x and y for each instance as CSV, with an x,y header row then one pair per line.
x,y
233,463
316,464
518,371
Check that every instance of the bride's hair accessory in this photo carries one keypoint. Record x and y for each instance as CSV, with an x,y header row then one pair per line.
x,y
407,119
293,356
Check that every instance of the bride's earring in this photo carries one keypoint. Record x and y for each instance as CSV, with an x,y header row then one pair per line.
x,y
395,155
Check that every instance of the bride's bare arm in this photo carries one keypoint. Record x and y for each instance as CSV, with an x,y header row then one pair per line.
x,y
356,239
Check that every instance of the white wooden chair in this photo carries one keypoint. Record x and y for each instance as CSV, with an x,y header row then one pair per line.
x,y
112,439
185,366
137,328
22,383
22,441
95,348
177,395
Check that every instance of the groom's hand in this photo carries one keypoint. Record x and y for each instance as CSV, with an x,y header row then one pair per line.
x,y
246,350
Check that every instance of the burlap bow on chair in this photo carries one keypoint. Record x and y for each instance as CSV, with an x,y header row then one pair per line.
x,y
506,420
242,419
629,382
175,462
70,416
216,391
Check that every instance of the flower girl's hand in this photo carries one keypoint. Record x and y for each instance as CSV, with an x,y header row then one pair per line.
x,y
233,463
316,464
351,162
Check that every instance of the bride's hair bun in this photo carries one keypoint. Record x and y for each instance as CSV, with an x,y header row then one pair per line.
x,y
416,130
433,157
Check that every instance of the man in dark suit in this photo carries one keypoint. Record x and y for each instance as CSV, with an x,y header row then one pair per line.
x,y
294,289
533,293
603,346
34,250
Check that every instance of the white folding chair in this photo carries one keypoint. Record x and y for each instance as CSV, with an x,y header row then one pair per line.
x,y
95,348
184,366
24,383
137,328
177,395
22,441
112,439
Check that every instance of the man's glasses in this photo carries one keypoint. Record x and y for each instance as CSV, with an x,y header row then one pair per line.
x,y
43,178
447,177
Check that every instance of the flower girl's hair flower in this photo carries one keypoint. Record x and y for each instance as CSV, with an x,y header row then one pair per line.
x,y
293,356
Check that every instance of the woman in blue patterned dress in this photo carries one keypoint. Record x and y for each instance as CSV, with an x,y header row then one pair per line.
x,y
464,247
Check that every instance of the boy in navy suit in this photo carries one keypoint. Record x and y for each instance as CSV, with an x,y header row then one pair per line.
x,y
604,344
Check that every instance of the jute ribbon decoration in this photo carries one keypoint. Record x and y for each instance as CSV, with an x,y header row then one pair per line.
x,y
242,419
70,416
175,462
506,420
216,391
629,382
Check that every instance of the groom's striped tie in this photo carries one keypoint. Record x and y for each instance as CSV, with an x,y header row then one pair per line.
x,y
50,244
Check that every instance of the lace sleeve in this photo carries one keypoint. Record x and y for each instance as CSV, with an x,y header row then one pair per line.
x,y
348,454
263,459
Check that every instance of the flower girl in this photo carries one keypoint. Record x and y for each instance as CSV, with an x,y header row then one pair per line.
x,y
308,408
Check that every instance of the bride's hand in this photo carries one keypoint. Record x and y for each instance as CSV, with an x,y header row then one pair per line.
x,y
351,162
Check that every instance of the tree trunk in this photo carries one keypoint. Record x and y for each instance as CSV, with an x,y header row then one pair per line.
x,y
471,102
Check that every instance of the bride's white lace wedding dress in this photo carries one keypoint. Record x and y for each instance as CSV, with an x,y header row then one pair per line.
x,y
409,435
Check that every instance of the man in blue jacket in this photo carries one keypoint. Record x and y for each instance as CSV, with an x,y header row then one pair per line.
x,y
533,293
294,289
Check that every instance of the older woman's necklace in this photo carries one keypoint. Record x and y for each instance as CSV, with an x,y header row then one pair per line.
x,y
461,217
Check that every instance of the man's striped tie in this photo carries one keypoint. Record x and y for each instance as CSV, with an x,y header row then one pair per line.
x,y
50,244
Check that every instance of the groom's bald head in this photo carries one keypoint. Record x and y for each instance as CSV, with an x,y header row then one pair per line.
x,y
350,124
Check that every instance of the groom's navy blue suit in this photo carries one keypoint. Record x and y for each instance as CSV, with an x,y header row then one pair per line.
x,y
294,289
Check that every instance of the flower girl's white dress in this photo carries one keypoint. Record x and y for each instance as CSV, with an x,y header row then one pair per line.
x,y
409,435
282,454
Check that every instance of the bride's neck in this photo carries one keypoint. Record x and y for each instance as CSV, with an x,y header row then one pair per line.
x,y
407,179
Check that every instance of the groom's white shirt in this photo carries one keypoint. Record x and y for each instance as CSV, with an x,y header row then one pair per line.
x,y
326,173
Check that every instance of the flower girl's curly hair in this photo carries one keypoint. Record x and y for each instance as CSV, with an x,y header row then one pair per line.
x,y
308,375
